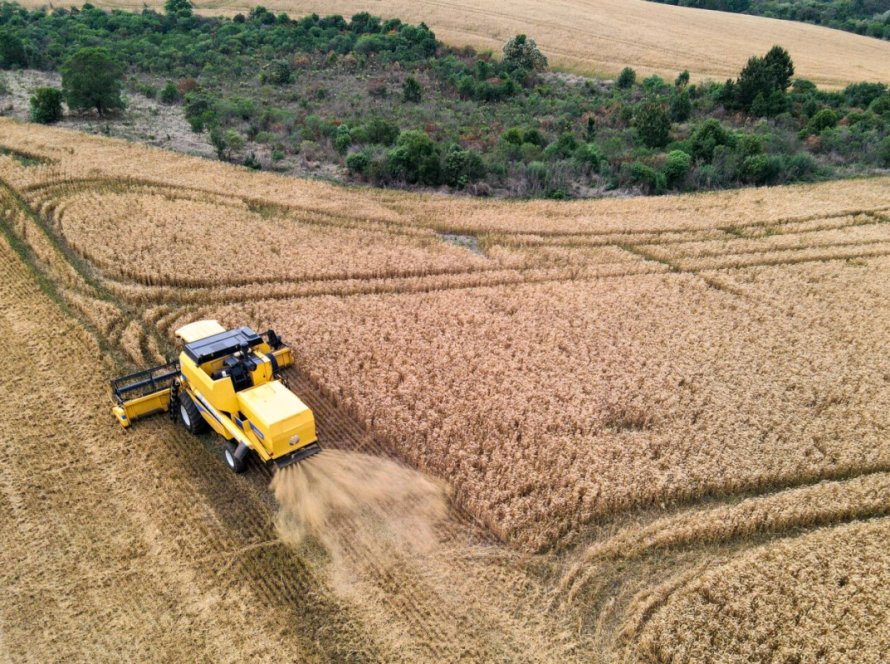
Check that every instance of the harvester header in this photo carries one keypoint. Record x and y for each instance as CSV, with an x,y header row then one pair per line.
x,y
228,381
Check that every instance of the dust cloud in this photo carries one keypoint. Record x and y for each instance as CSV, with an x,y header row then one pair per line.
x,y
342,499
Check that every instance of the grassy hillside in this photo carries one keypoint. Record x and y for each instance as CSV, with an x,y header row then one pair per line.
x,y
603,37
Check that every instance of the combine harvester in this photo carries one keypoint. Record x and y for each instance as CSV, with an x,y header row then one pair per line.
x,y
227,380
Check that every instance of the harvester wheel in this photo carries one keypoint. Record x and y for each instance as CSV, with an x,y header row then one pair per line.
x,y
191,418
237,465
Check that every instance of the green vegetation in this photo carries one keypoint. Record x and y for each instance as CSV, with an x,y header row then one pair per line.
x,y
46,105
383,102
864,17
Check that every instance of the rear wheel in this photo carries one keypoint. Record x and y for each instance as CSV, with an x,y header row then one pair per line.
x,y
237,465
191,418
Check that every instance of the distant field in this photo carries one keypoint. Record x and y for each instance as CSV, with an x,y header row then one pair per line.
x,y
601,37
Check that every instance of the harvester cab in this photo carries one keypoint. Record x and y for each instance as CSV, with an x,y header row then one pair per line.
x,y
228,381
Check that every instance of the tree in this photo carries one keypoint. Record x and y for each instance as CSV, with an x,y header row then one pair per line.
x,y
676,167
761,76
91,78
411,90
169,93
653,124
682,79
707,137
46,105
681,106
626,78
12,51
520,52
415,158
178,8
462,167
277,72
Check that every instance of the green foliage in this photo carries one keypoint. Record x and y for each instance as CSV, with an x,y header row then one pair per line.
x,y
863,94
358,162
682,79
676,167
277,72
521,52
46,105
824,119
653,124
91,78
626,78
707,136
681,106
562,148
645,177
381,132
589,155
342,139
199,111
178,8
462,167
12,51
763,82
411,91
169,93
415,159
761,169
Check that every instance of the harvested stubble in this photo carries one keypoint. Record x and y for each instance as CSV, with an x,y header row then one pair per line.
x,y
822,597
603,37
579,370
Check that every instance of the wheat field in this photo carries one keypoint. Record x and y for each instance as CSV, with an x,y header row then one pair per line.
x,y
601,37
651,417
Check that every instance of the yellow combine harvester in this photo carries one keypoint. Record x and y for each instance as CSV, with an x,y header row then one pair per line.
x,y
227,380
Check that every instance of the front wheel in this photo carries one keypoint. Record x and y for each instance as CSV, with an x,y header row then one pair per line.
x,y
237,465
191,418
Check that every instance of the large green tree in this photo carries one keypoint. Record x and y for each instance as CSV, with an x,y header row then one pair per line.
x,y
91,78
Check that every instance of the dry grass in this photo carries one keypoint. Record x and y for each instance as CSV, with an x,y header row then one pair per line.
x,y
603,37
820,597
602,362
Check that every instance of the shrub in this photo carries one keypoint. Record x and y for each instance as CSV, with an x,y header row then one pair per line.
x,y
462,167
411,90
520,52
46,105
277,72
199,111
824,119
381,132
884,152
358,162
707,136
562,148
589,155
645,177
342,139
761,168
169,93
676,167
12,51
682,79
626,78
760,76
863,94
91,78
415,159
653,124
681,106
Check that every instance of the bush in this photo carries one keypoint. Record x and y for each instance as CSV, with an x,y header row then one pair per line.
x,y
824,119
199,111
520,52
462,167
411,90
169,93
645,177
342,139
760,76
358,162
626,78
91,78
46,105
12,51
681,106
381,132
277,72
653,124
562,148
863,94
707,136
761,169
415,159
884,152
676,167
589,155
